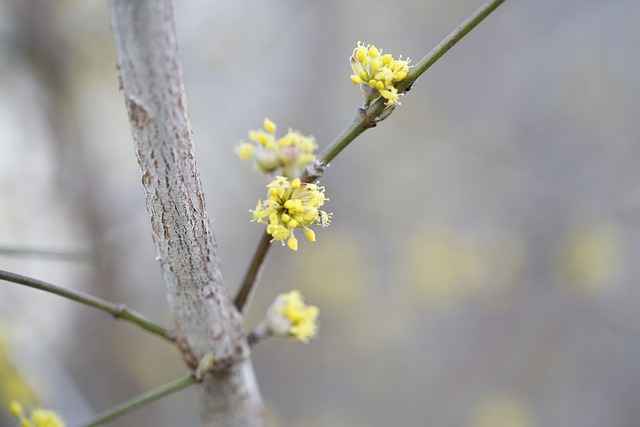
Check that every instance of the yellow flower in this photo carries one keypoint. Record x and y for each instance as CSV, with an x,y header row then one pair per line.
x,y
290,316
45,418
287,156
39,417
291,205
245,150
377,74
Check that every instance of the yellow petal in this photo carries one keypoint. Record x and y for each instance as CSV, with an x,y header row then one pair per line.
x,y
292,243
269,126
310,235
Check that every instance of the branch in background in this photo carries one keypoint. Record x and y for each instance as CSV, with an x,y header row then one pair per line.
x,y
55,255
119,311
361,122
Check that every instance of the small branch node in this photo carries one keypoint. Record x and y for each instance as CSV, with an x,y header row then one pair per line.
x,y
120,310
170,334
204,366
315,169
261,332
368,120
252,339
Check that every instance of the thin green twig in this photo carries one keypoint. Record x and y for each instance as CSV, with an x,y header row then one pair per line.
x,y
119,311
141,400
448,42
361,122
244,293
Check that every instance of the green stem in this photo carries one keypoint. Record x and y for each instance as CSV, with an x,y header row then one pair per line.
x,y
358,125
141,400
362,122
260,254
448,42
119,311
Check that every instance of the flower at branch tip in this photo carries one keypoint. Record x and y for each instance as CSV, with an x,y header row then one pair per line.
x,y
377,74
39,417
287,156
290,205
289,316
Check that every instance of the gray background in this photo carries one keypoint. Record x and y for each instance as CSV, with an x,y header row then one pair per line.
x,y
481,266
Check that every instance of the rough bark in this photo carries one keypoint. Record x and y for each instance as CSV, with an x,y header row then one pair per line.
x,y
205,319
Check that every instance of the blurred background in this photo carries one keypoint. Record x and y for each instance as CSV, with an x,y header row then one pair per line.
x,y
481,266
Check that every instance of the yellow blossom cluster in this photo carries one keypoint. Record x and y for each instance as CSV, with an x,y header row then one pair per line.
x,y
290,205
287,156
290,316
377,74
39,417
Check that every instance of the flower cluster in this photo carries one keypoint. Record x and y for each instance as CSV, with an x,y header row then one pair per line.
x,y
289,316
377,74
291,205
38,418
287,156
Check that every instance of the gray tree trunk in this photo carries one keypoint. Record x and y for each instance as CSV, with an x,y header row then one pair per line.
x,y
205,318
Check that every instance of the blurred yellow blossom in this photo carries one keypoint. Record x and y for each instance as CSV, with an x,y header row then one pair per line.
x,y
289,316
39,417
444,266
291,205
377,74
350,275
590,257
15,408
502,411
11,381
449,265
287,156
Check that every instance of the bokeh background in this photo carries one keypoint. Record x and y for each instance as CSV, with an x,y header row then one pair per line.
x,y
481,268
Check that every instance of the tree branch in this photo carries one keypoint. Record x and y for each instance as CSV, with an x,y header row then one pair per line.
x,y
360,123
448,42
119,311
205,318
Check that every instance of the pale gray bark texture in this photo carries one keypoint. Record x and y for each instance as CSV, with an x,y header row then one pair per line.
x,y
205,319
